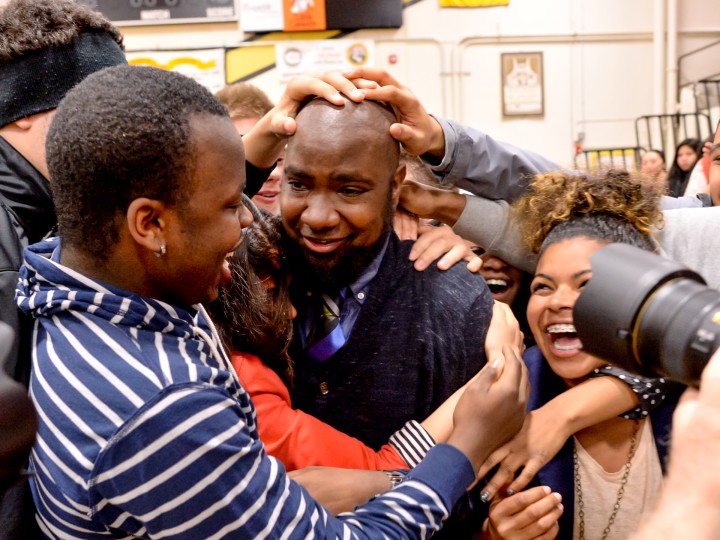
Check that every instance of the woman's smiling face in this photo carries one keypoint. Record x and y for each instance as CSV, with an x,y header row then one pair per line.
x,y
561,274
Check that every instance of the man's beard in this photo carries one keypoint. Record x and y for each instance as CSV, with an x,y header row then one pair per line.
x,y
342,267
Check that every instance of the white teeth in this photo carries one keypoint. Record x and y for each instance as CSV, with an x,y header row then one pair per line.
x,y
573,347
561,329
497,282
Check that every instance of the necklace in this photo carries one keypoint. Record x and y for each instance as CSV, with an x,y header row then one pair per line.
x,y
620,493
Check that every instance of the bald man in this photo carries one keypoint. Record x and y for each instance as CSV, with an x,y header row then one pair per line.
x,y
404,340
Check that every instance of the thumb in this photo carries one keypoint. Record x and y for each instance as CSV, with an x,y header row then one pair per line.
x,y
492,371
283,126
402,133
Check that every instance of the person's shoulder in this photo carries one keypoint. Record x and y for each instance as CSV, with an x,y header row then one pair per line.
x,y
691,224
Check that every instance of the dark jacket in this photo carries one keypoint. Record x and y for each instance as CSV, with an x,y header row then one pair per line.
x,y
27,215
559,472
419,336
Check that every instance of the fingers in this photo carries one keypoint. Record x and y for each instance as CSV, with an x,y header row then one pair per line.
x,y
443,245
429,247
517,372
331,84
500,479
528,514
504,476
474,264
493,459
456,254
378,75
405,225
529,471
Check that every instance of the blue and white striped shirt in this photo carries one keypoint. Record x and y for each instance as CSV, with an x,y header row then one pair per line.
x,y
145,431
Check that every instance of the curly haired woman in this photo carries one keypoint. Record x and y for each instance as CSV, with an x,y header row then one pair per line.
x,y
609,474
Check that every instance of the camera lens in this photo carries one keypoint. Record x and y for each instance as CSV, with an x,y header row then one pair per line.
x,y
648,314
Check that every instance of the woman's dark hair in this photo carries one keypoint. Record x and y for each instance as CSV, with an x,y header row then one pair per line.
x,y
250,317
659,153
677,179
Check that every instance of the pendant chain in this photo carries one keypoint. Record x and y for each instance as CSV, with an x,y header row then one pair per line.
x,y
620,493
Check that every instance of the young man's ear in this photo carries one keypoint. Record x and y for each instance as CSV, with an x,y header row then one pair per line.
x,y
147,222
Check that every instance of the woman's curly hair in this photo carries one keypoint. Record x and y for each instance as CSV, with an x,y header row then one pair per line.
x,y
614,201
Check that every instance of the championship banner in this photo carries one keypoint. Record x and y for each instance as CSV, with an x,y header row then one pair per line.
x,y
294,58
310,15
473,3
205,66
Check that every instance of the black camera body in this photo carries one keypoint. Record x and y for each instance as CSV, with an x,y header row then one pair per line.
x,y
648,314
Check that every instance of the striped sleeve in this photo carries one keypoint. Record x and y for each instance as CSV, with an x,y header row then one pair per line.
x,y
187,466
412,442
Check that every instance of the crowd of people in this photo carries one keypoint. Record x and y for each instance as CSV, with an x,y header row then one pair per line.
x,y
239,319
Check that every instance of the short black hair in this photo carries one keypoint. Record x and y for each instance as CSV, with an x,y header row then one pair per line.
x,y
122,133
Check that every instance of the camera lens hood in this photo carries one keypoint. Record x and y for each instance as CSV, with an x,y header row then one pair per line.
x,y
606,314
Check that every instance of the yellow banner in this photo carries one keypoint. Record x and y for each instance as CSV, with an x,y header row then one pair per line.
x,y
473,3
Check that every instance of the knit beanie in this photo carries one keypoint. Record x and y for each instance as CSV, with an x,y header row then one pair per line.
x,y
38,80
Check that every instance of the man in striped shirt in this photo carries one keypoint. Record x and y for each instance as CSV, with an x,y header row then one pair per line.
x,y
144,429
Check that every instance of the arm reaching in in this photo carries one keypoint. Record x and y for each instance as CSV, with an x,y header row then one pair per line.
x,y
546,430
491,410
341,490
503,335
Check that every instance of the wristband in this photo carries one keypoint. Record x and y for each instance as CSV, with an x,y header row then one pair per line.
x,y
395,477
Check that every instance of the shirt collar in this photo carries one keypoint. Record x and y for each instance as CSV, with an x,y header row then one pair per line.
x,y
359,286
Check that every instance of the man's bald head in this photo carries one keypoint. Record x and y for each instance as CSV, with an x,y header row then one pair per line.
x,y
368,120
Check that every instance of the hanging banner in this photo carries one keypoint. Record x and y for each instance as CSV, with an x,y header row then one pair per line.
x,y
473,3
309,15
297,57
206,66
139,12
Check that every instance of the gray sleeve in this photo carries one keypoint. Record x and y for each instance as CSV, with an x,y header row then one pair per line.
x,y
673,203
476,162
490,225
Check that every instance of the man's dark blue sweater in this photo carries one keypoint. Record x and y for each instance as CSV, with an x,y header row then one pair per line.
x,y
418,338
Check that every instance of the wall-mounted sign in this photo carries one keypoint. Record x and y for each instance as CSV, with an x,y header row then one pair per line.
x,y
522,84
206,66
297,57
138,12
302,15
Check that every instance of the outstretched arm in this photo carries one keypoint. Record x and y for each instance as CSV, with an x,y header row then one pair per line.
x,y
461,155
484,222
548,428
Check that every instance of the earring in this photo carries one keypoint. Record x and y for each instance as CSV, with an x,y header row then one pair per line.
x,y
163,250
